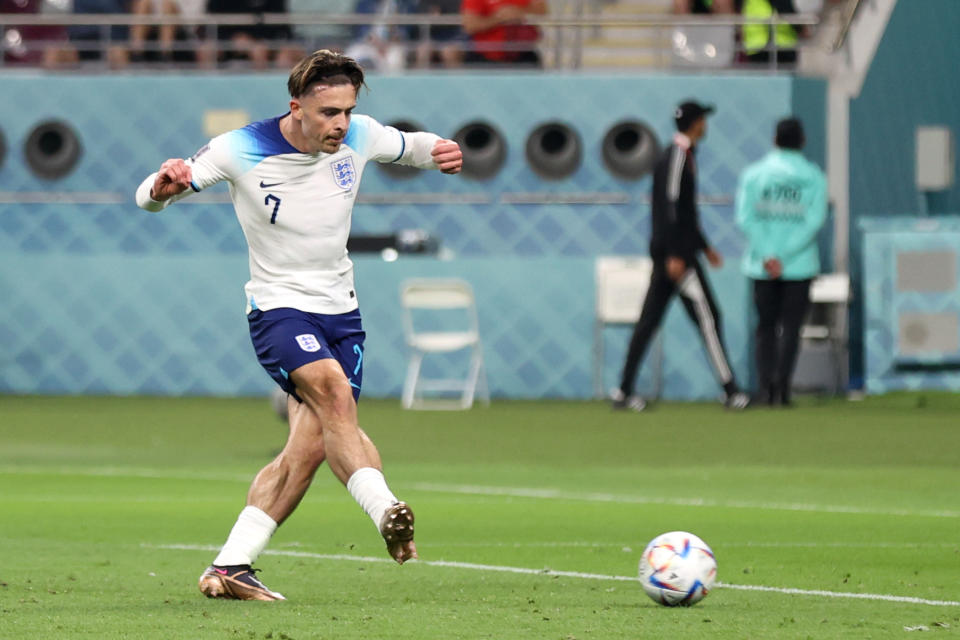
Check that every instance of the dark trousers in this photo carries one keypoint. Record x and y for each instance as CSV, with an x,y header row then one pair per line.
x,y
781,308
699,303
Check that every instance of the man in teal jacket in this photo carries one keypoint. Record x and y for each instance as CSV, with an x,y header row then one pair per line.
x,y
781,205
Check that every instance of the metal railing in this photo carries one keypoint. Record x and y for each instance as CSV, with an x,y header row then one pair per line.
x,y
850,12
564,37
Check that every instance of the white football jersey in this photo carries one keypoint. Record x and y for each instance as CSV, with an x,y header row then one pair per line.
x,y
295,208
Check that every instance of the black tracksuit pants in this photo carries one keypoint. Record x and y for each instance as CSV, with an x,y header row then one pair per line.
x,y
781,309
699,303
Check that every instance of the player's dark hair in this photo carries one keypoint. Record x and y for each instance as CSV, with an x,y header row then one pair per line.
x,y
790,134
327,67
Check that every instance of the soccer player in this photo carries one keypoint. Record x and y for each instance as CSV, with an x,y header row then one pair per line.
x,y
293,181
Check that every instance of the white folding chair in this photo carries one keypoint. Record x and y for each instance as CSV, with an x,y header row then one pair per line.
x,y
621,286
826,323
440,316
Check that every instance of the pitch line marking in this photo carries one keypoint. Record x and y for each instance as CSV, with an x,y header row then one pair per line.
x,y
629,546
570,574
127,472
514,492
555,494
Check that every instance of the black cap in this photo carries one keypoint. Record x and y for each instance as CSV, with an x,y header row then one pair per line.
x,y
790,134
689,112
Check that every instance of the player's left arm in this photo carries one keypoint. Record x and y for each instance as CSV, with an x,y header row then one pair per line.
x,y
447,156
418,149
429,151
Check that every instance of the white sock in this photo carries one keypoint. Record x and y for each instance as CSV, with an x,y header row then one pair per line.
x,y
247,539
369,488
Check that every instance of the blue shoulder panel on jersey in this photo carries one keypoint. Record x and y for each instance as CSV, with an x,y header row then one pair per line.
x,y
259,140
358,134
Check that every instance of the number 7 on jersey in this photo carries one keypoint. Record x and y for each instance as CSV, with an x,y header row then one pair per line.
x,y
276,206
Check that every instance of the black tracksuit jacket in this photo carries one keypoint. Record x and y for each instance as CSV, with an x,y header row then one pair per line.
x,y
675,220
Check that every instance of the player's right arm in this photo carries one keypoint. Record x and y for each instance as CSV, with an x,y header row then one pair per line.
x,y
177,178
169,184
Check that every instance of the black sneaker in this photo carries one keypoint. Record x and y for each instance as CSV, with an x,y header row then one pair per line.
x,y
237,582
623,402
737,401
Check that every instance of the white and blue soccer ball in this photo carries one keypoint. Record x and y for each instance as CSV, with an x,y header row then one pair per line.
x,y
677,569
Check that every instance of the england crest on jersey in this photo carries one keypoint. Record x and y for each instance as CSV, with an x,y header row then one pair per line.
x,y
344,174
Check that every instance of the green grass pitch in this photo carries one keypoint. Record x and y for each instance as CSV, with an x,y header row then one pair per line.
x,y
110,509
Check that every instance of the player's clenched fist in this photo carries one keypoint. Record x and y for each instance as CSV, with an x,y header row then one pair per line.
x,y
447,156
173,177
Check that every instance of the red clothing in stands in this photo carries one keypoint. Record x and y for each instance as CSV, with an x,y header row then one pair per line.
x,y
513,33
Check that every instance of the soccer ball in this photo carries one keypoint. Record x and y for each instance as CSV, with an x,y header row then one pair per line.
x,y
677,569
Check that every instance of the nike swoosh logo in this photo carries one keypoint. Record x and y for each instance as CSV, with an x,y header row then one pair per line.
x,y
264,185
222,572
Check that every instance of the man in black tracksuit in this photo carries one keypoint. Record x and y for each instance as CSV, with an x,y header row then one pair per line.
x,y
675,242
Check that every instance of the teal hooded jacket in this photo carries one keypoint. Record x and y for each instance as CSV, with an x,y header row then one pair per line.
x,y
781,205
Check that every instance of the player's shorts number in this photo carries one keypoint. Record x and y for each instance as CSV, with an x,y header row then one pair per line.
x,y
276,206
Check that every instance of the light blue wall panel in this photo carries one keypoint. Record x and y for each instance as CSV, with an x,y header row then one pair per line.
x,y
885,238
127,125
125,324
104,298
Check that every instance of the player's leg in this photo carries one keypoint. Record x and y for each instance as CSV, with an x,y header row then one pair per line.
x,y
701,307
278,487
283,340
325,389
273,496
332,389
274,493
766,299
659,292
795,301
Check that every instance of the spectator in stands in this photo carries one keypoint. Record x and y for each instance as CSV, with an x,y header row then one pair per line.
x,y
443,45
312,37
756,37
168,35
378,45
20,42
703,6
499,33
140,33
781,205
87,39
261,44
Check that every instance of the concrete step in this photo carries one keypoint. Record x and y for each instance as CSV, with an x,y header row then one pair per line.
x,y
612,42
627,47
607,59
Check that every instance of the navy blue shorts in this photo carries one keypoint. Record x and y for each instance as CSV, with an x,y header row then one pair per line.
x,y
286,339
